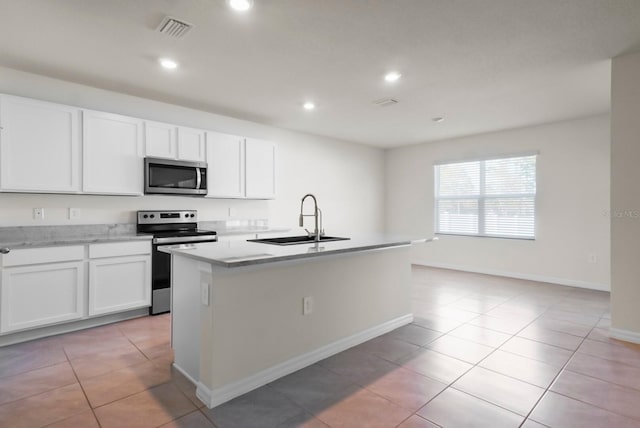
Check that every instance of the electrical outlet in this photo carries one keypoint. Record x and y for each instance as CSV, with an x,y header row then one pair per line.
x,y
593,258
230,214
74,213
38,213
204,293
307,305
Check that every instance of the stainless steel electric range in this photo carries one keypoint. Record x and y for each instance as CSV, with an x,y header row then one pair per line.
x,y
168,228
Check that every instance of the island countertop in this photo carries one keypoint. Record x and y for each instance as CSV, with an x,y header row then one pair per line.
x,y
239,254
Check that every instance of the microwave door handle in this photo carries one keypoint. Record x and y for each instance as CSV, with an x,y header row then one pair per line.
x,y
198,178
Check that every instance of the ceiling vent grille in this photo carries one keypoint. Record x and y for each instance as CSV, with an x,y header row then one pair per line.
x,y
174,27
385,102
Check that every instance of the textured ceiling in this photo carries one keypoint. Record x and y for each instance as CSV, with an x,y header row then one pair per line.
x,y
482,64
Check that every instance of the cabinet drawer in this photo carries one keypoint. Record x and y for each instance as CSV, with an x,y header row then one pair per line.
x,y
117,249
32,256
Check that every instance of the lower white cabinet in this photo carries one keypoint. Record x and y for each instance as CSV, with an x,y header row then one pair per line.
x,y
119,276
37,295
50,285
118,284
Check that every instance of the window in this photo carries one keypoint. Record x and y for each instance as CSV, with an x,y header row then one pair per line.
x,y
490,197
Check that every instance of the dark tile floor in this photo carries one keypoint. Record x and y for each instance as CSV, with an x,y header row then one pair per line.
x,y
483,351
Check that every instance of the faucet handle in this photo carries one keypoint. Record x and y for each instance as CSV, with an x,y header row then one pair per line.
x,y
308,233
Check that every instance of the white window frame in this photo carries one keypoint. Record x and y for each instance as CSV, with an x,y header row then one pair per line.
x,y
482,198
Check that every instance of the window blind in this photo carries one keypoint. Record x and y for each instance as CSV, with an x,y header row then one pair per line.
x,y
489,197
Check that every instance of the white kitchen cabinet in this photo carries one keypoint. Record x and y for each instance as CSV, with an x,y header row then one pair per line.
x,y
119,277
41,286
225,161
39,146
160,140
191,144
112,154
260,169
240,167
163,140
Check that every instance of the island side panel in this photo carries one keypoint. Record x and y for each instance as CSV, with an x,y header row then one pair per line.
x,y
257,319
186,315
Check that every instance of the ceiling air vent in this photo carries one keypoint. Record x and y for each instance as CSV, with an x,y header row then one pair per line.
x,y
385,102
174,27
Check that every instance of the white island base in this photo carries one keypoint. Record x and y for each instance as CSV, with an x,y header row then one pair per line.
x,y
236,329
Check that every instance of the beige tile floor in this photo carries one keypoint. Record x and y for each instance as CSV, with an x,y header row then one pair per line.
x,y
483,351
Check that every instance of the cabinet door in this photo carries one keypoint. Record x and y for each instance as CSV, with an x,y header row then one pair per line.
x,y
39,146
225,166
160,140
191,144
113,161
260,169
33,296
119,284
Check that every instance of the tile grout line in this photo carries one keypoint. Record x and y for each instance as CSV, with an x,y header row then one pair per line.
x,y
492,352
562,369
81,388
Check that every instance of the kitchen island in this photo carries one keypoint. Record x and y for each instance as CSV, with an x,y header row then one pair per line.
x,y
246,314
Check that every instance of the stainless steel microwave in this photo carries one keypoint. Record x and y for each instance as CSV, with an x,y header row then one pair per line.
x,y
174,177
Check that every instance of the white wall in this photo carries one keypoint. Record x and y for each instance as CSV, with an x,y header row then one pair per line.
x,y
572,203
625,197
347,178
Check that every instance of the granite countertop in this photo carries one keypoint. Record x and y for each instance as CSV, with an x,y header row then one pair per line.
x,y
240,227
47,236
242,253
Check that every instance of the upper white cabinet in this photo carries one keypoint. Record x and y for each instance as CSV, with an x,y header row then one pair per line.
x,y
39,146
112,158
260,169
163,140
160,140
191,144
225,161
240,167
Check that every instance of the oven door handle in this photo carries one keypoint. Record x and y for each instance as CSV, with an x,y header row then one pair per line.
x,y
198,178
183,239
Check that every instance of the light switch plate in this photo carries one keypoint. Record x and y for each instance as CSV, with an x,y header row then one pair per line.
x,y
307,305
74,213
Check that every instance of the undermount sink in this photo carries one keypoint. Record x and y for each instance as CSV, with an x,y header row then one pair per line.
x,y
294,240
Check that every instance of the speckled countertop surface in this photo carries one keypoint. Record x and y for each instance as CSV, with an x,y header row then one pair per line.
x,y
251,253
47,236
241,227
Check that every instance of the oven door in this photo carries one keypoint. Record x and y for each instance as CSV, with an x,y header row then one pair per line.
x,y
160,282
166,176
161,269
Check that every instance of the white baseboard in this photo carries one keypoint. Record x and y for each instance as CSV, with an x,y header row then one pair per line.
x,y
626,335
69,327
223,394
184,373
508,274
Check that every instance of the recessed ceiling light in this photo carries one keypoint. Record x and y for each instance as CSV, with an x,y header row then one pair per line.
x,y
309,105
169,64
392,76
240,5
438,119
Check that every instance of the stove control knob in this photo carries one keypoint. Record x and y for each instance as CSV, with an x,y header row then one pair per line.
x,y
186,215
152,215
193,215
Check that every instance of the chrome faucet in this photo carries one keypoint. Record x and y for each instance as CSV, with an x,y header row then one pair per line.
x,y
316,214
